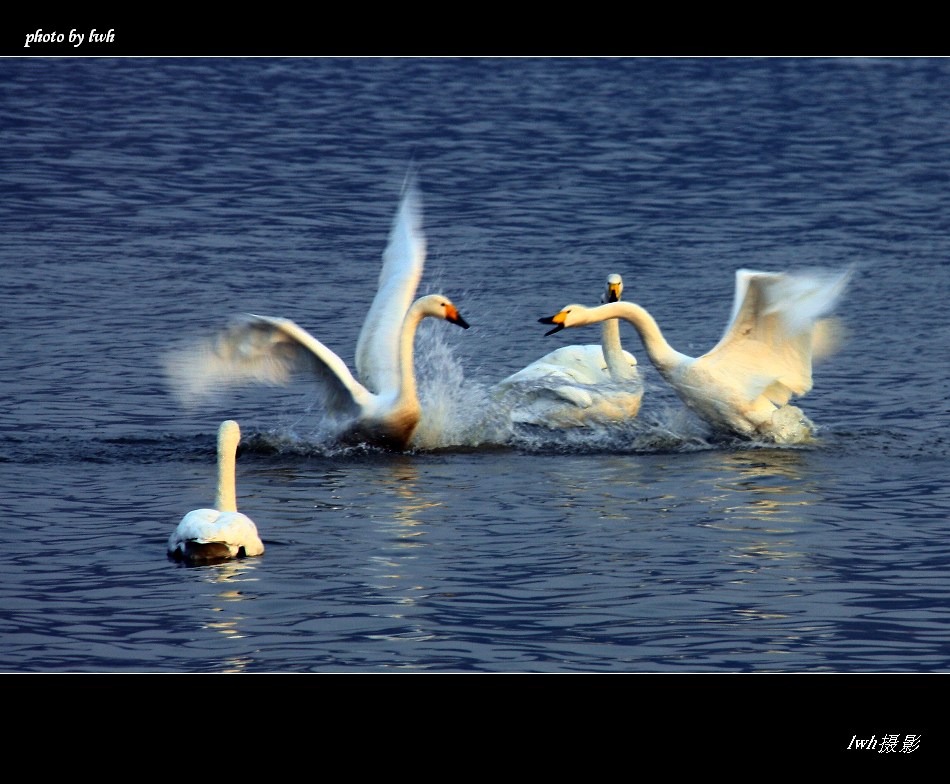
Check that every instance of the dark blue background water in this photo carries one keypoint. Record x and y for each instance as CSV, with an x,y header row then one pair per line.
x,y
147,200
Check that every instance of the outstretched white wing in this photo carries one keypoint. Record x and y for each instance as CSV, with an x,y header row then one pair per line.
x,y
265,350
775,327
377,349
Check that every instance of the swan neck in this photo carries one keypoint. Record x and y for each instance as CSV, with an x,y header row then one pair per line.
x,y
226,500
613,351
661,353
407,373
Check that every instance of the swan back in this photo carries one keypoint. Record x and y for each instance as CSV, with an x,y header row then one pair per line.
x,y
580,384
585,364
207,535
377,348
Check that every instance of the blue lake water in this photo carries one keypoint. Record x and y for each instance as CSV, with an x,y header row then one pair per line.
x,y
149,200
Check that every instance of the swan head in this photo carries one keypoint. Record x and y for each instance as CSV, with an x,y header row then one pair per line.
x,y
571,316
229,436
437,306
613,289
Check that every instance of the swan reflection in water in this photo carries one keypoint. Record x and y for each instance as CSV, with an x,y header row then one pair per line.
x,y
392,580
760,502
405,526
766,485
225,604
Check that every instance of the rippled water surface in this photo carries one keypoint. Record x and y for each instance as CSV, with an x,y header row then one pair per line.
x,y
146,201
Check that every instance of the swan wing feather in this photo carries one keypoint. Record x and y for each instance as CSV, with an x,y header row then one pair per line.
x,y
262,349
377,348
582,364
775,324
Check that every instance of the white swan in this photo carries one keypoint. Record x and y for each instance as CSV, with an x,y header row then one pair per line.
x,y
384,409
577,385
742,386
208,535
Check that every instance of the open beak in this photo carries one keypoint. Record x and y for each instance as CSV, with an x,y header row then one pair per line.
x,y
557,320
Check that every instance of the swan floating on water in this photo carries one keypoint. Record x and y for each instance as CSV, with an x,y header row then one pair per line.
x,y
211,535
578,385
742,386
384,409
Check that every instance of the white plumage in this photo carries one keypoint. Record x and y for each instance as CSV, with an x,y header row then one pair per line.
x,y
581,384
207,535
382,407
742,386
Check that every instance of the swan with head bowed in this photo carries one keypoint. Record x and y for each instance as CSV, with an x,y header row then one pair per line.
x,y
212,535
743,385
382,407
578,385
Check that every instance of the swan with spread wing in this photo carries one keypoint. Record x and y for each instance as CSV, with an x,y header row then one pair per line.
x,y
743,385
382,407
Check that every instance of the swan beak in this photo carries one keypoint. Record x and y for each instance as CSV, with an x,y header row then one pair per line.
x,y
613,292
452,315
557,320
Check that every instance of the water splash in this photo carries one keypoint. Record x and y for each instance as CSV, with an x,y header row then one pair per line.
x,y
461,412
664,429
456,411
468,413
791,426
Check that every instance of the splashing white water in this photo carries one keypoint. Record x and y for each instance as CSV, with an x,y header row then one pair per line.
x,y
461,412
455,411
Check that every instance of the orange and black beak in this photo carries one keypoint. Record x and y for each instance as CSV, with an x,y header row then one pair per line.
x,y
557,320
452,315
613,292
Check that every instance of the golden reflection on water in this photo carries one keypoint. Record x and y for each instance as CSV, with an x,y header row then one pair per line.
x,y
226,618
402,478
404,530
400,481
766,486
764,498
